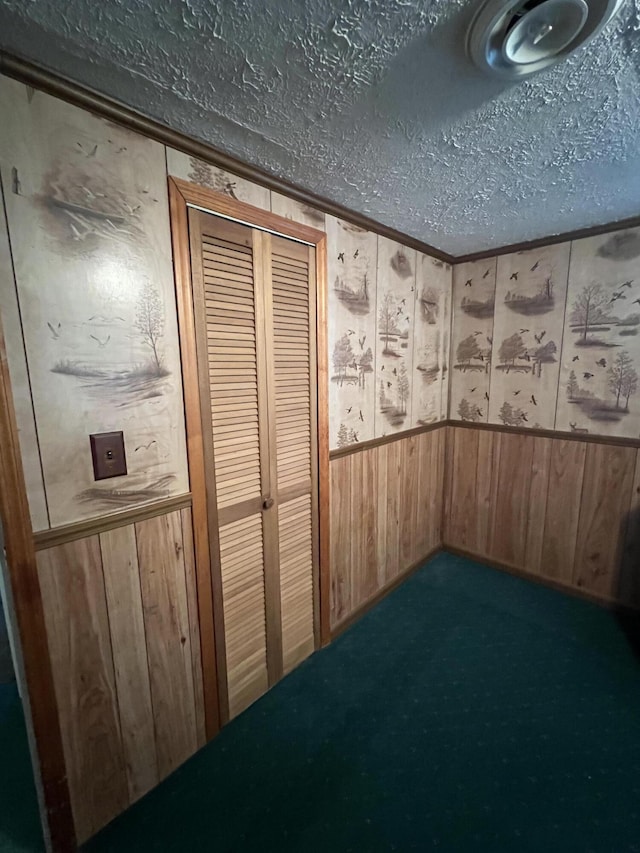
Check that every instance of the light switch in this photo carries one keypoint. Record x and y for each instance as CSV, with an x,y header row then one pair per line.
x,y
107,452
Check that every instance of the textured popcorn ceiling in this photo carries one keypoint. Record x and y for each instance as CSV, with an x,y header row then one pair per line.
x,y
370,103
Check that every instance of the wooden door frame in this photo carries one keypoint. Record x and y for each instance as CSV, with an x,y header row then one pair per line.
x,y
40,705
183,195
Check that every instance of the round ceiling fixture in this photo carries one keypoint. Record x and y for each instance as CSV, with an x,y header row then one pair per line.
x,y
515,38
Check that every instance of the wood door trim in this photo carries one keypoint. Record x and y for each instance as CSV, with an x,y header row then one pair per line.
x,y
183,194
195,454
385,439
546,433
26,597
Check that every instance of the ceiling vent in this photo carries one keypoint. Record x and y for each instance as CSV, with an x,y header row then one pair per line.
x,y
515,38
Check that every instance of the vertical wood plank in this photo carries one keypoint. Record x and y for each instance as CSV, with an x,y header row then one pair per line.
x,y
367,584
510,509
438,488
394,469
606,497
129,647
164,597
356,534
423,521
194,623
381,505
80,648
628,584
566,473
340,539
539,488
460,528
486,473
408,501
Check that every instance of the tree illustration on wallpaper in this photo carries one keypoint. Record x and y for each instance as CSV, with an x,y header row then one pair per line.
x,y
468,351
150,323
540,303
543,355
348,367
622,379
621,382
469,411
512,349
388,328
403,388
589,313
512,416
429,305
346,436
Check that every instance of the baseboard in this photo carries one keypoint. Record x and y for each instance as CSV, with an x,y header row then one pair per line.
x,y
576,592
353,617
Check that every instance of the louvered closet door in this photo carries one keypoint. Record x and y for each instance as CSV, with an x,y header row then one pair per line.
x,y
230,313
293,306
252,298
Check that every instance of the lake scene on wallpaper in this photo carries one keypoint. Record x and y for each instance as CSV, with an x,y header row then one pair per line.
x,y
601,352
531,289
90,230
474,298
351,268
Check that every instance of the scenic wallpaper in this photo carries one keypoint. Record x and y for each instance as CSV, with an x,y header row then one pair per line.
x,y
550,338
547,338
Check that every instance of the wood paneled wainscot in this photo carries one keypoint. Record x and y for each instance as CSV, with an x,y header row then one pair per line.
x,y
122,627
386,510
562,509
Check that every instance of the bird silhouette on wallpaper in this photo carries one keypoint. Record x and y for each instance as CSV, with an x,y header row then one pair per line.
x,y
361,341
356,253
91,153
588,375
55,333
486,273
395,371
617,296
145,446
533,400
388,384
361,416
513,276
576,358
16,187
341,256
100,343
540,337
350,332
627,283
403,302
471,390
636,302
475,334
486,396
535,266
523,331
515,393
468,282
349,410
602,362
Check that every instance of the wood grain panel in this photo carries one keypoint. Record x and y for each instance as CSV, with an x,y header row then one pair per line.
x,y
567,512
628,585
386,511
510,499
188,547
129,647
296,580
539,489
79,641
563,510
166,618
460,517
340,539
606,499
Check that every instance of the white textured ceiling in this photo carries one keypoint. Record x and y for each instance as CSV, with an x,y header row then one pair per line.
x,y
371,103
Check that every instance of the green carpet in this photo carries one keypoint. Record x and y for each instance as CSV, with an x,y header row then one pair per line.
x,y
19,818
469,711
